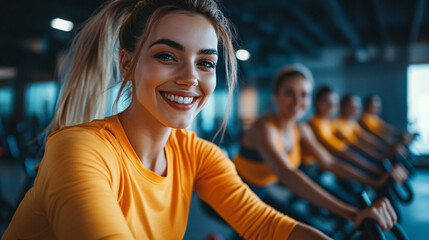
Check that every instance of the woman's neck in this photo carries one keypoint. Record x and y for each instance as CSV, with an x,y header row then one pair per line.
x,y
345,117
146,135
284,122
322,116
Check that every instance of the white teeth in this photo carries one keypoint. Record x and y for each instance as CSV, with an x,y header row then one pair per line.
x,y
179,99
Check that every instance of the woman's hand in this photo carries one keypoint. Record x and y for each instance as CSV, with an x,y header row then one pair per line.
x,y
381,211
399,174
395,148
407,137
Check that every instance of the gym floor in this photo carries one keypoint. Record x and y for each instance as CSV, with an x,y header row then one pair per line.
x,y
200,225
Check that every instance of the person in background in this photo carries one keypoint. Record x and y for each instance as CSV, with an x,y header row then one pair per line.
x,y
392,136
349,130
326,105
271,152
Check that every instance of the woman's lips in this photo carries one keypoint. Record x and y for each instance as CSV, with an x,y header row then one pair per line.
x,y
180,100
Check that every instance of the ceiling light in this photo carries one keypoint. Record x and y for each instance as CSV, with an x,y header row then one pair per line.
x,y
242,55
62,24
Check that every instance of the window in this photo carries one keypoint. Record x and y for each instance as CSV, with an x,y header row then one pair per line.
x,y
6,101
418,111
40,99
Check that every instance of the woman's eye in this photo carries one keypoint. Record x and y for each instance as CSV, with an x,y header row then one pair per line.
x,y
207,64
165,57
289,93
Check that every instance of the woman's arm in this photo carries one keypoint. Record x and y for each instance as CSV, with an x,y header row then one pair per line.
x,y
360,145
328,163
371,140
398,135
368,150
295,180
307,189
377,134
305,232
389,148
346,153
217,183
354,158
389,129
74,185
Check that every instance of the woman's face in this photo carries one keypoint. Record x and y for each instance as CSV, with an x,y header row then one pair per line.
x,y
353,108
294,97
375,106
327,106
175,73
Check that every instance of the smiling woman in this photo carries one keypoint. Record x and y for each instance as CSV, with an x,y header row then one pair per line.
x,y
131,175
179,60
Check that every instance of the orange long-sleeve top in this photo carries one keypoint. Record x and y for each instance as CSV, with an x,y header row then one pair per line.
x,y
92,185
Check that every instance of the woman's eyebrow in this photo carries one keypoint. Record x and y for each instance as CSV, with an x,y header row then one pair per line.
x,y
180,47
170,43
208,52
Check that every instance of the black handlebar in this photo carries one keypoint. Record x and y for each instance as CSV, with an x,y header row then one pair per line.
x,y
409,194
371,227
397,159
399,232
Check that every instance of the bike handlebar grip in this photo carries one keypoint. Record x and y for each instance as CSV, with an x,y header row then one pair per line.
x,y
371,227
399,232
405,163
409,196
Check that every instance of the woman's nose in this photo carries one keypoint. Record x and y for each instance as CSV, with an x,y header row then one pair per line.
x,y
297,100
187,75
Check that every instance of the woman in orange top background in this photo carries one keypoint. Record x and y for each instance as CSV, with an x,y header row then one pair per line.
x,y
270,150
349,130
392,136
325,106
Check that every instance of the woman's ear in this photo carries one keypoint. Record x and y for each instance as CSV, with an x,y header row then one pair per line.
x,y
125,63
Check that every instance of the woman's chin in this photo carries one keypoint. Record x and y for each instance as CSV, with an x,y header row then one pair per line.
x,y
179,124
290,115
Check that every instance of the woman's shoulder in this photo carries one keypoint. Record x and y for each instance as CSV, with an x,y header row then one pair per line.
x,y
304,130
262,122
263,126
90,133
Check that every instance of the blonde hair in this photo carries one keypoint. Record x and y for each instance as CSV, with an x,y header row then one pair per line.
x,y
92,63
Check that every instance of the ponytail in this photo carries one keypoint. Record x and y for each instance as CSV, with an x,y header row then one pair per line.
x,y
227,34
91,67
